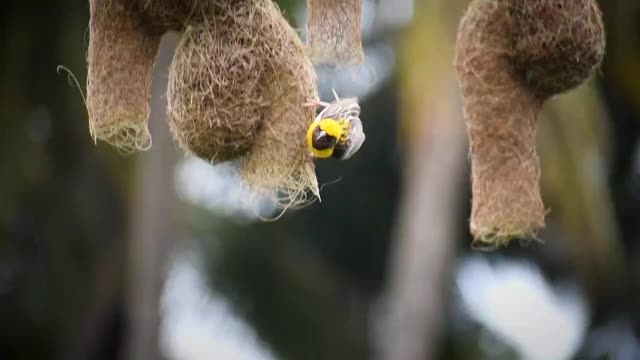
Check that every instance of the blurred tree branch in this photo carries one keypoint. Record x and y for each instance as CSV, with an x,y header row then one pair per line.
x,y
153,227
426,235
573,148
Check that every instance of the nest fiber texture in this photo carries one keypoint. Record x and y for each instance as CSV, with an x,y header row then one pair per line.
x,y
237,89
217,86
121,55
279,162
334,31
236,92
512,55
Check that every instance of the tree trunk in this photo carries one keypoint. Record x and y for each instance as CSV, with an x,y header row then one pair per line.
x,y
424,244
154,225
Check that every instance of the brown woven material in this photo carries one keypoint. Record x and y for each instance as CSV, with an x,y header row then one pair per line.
x,y
333,31
120,59
217,89
279,164
237,89
557,43
512,55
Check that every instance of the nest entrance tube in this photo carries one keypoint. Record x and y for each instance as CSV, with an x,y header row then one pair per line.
x,y
122,52
334,32
512,55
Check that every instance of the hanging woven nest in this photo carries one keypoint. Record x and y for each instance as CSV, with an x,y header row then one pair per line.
x,y
333,32
238,85
237,89
121,55
513,55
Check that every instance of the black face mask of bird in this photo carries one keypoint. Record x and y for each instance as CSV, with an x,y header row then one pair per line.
x,y
322,140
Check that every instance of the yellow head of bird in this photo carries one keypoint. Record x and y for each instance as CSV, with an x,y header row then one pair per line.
x,y
323,135
337,131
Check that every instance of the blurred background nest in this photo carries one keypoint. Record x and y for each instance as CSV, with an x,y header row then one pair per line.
x,y
150,256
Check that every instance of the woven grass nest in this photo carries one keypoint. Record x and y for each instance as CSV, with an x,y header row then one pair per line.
x,y
513,55
334,32
238,86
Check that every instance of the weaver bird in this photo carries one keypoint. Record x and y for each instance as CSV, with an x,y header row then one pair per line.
x,y
337,130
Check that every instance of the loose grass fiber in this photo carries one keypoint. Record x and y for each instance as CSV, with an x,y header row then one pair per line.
x,y
334,32
121,55
512,55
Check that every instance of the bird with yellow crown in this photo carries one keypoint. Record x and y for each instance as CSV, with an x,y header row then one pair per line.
x,y
337,130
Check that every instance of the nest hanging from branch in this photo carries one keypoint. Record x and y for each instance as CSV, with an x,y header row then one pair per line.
x,y
333,31
121,55
237,90
513,55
